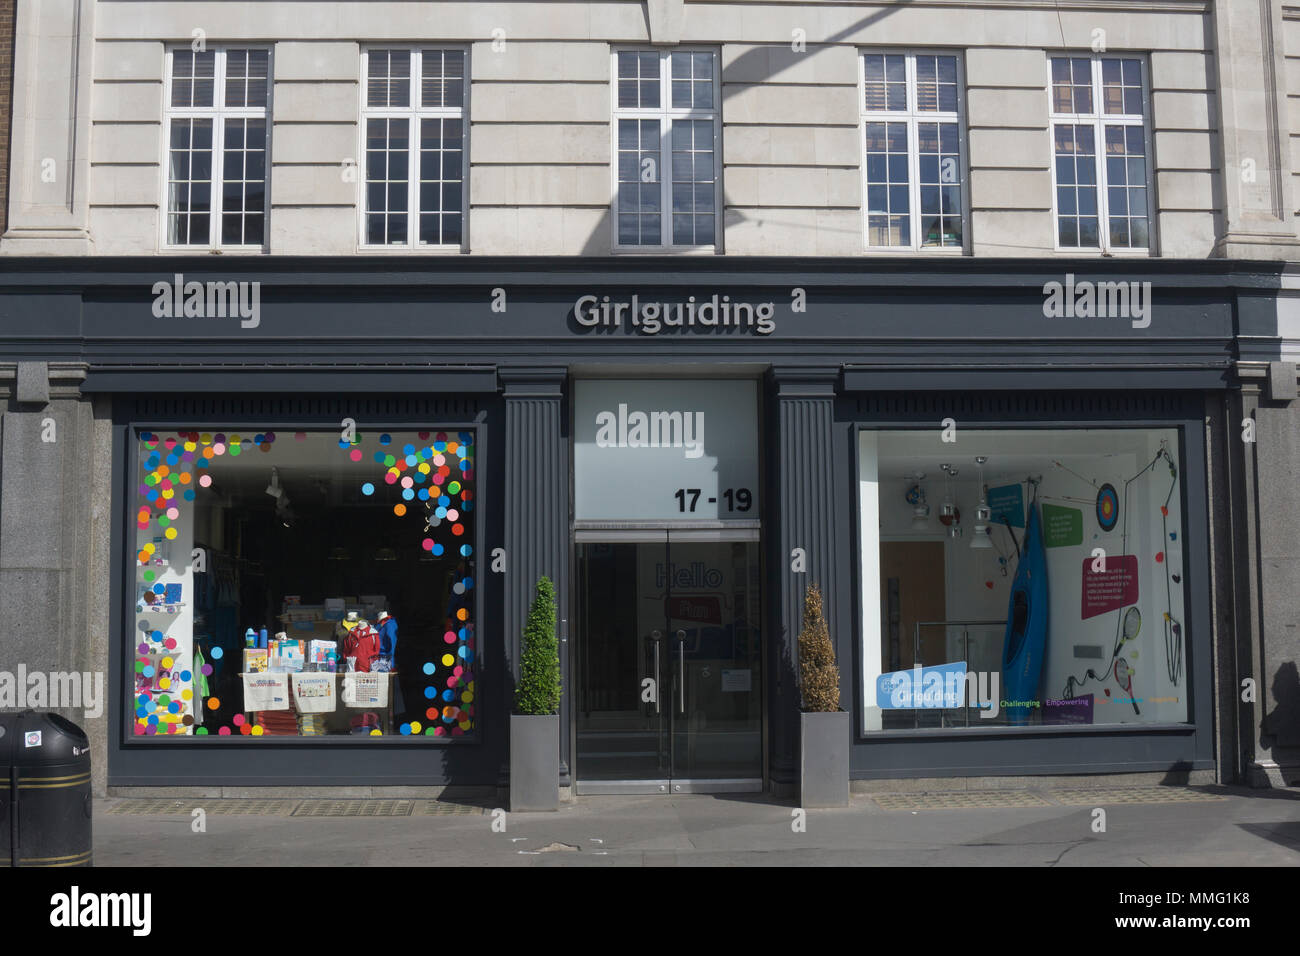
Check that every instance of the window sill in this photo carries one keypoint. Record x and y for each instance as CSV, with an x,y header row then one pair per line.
x,y
411,251
214,250
666,251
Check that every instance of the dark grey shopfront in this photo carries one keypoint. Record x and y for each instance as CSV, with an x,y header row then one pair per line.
x,y
496,349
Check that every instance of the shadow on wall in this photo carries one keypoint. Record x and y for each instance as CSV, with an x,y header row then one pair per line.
x,y
601,240
1281,727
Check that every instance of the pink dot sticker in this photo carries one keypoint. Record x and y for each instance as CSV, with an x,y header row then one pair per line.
x,y
427,544
173,513
224,731
449,637
452,514
238,720
390,478
170,643
408,481
205,481
355,454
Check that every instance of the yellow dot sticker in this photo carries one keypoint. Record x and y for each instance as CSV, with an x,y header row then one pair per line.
x,y
448,660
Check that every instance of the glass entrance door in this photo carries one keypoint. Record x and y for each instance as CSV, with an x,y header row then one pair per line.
x,y
669,694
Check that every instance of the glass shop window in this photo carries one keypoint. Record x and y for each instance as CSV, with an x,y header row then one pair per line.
x,y
1033,578
296,583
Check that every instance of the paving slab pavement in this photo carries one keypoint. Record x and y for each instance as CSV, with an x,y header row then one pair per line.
x,y
1241,828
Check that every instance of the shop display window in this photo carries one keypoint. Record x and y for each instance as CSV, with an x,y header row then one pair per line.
x,y
304,584
1021,578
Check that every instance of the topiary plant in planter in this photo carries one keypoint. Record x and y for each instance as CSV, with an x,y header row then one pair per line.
x,y
819,674
535,725
823,727
538,691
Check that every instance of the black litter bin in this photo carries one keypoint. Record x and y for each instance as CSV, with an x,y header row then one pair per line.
x,y
44,791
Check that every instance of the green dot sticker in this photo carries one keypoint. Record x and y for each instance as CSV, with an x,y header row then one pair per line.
x,y
148,575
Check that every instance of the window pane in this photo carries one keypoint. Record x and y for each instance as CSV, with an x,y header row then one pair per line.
x,y
189,180
247,78
388,78
442,82
386,178
244,165
191,671
193,78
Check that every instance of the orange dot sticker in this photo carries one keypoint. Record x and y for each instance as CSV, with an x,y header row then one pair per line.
x,y
399,509
462,614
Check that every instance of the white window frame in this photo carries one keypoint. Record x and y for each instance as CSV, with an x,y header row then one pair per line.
x,y
912,117
665,113
1099,121
413,114
218,113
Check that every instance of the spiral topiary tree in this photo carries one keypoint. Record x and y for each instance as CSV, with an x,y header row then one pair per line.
x,y
538,691
819,674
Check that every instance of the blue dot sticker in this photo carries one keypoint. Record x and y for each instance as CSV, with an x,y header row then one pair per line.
x,y
368,489
217,653
428,667
385,439
431,692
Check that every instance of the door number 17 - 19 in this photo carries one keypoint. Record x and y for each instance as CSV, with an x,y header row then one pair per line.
x,y
738,499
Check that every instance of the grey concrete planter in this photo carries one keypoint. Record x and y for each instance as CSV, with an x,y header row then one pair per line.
x,y
535,762
824,759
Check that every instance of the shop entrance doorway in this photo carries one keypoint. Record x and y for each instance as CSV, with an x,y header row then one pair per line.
x,y
668,671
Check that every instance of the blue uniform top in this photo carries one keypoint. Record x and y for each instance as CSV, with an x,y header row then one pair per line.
x,y
388,639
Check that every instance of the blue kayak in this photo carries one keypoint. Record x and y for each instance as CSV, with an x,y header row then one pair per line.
x,y
1026,640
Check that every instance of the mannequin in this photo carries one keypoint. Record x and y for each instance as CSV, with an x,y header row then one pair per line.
x,y
387,627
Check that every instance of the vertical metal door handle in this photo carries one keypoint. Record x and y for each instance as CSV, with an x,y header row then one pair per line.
x,y
681,671
656,675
